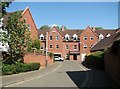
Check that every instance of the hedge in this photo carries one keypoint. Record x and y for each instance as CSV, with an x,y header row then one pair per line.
x,y
18,68
95,60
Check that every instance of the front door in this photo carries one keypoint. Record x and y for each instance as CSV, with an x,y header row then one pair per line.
x,y
75,57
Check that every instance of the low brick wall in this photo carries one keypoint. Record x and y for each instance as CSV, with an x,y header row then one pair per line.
x,y
112,65
34,57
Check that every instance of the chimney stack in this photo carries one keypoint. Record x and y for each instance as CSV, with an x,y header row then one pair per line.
x,y
63,28
93,28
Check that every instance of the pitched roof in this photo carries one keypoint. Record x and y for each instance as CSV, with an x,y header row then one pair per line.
x,y
43,32
71,32
106,42
105,32
8,15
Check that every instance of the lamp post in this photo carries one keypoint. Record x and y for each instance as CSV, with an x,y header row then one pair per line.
x,y
46,61
83,53
82,47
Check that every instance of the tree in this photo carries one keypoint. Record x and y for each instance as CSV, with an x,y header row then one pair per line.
x,y
36,44
45,27
51,55
65,28
17,36
3,5
98,28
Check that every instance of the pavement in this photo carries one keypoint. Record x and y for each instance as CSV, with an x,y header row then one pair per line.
x,y
15,78
61,74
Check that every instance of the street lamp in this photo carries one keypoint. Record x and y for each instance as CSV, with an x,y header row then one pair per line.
x,y
82,47
46,61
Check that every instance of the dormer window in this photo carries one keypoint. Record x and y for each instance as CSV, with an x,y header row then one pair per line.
x,y
75,37
67,37
101,36
108,35
41,37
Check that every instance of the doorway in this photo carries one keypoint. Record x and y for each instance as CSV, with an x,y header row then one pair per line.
x,y
75,57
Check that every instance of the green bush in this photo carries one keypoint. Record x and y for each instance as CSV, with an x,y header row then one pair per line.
x,y
19,67
95,60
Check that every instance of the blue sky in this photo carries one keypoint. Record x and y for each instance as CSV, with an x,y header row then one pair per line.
x,y
73,15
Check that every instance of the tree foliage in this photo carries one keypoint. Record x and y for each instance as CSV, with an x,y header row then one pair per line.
x,y
98,28
45,27
3,5
17,36
34,46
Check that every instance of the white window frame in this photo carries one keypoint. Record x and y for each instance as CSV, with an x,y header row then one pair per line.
x,y
57,46
85,37
85,46
74,46
51,46
91,37
67,47
57,37
49,38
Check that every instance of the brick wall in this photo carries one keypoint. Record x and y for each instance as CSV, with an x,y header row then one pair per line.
x,y
33,57
112,65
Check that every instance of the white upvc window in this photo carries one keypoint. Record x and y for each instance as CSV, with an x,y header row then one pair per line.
x,y
91,37
108,35
67,37
57,37
75,37
101,37
85,37
85,46
41,37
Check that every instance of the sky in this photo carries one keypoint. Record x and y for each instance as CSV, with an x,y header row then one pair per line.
x,y
73,15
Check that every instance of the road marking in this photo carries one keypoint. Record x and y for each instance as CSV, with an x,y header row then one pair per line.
x,y
87,75
33,78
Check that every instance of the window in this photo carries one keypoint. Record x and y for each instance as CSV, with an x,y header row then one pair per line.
x,y
28,27
75,46
108,35
50,46
57,46
57,37
67,47
91,46
50,37
85,37
67,37
75,37
85,46
41,47
41,38
91,37
101,36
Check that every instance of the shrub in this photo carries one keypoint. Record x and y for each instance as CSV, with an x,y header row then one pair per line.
x,y
19,67
51,55
95,60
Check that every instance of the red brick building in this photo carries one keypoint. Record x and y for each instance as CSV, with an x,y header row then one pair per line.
x,y
26,14
72,44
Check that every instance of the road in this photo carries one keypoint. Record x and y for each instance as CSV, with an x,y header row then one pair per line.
x,y
67,74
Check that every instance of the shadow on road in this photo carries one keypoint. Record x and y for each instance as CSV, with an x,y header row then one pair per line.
x,y
77,77
96,79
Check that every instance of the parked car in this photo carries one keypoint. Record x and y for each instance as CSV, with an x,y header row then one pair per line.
x,y
57,58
